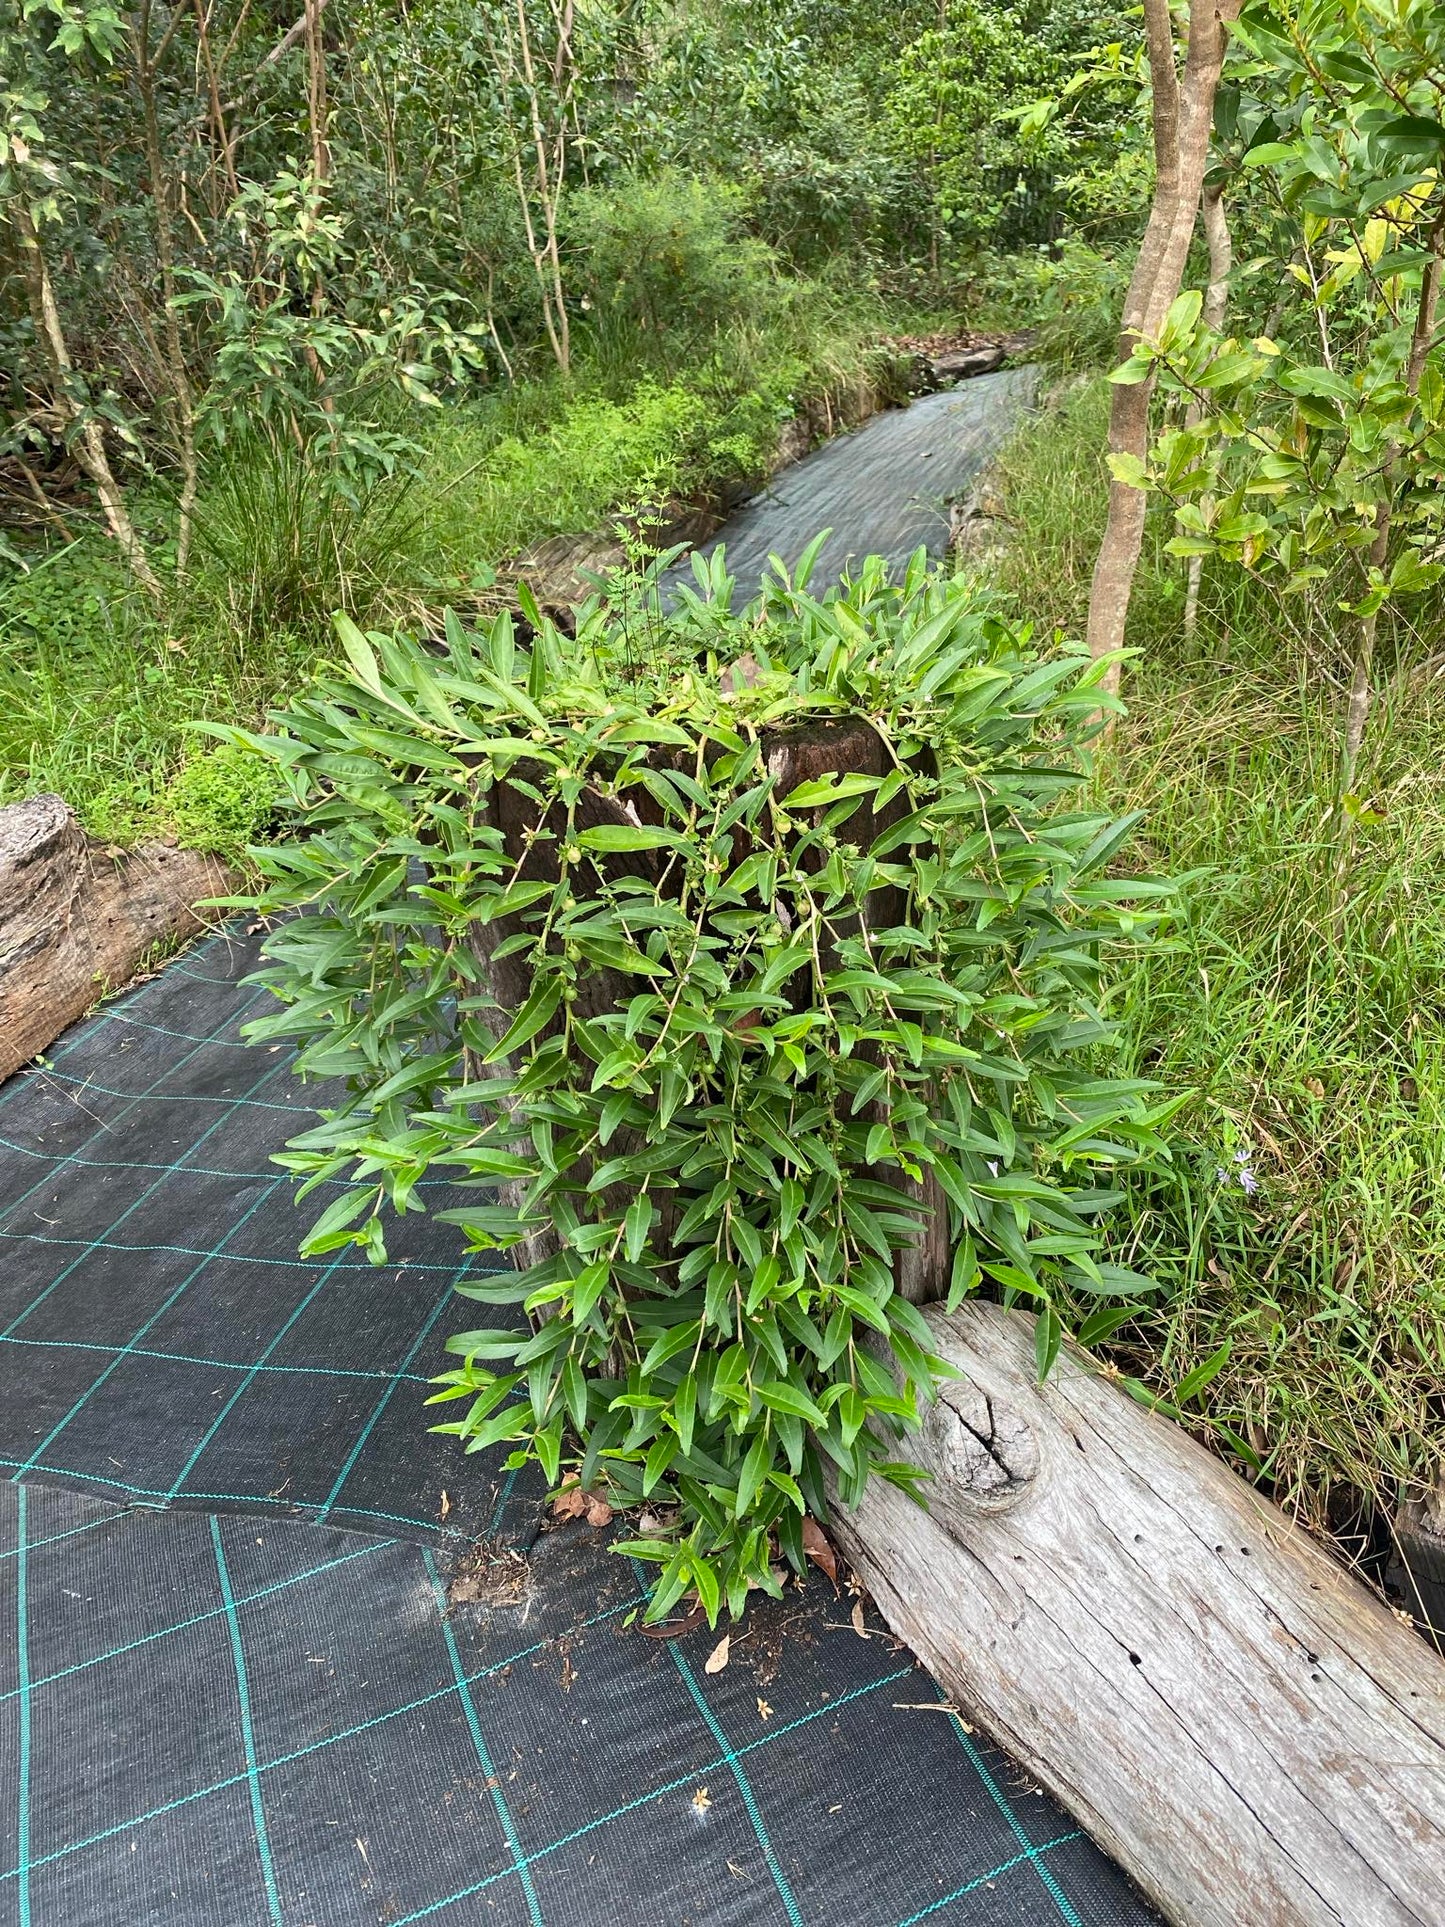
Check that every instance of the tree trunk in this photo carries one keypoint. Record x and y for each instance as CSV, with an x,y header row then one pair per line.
x,y
90,438
1183,116
1252,1735
75,922
146,65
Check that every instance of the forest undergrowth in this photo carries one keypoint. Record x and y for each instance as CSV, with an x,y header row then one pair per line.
x,y
99,696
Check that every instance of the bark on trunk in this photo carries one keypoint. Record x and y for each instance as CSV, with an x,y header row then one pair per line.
x,y
1183,116
1250,1733
1216,302
90,449
182,403
75,923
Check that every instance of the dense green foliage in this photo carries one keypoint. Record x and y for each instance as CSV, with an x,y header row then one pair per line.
x,y
355,311
97,695
808,1001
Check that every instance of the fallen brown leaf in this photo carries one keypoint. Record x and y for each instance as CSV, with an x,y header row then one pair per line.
x,y
718,1657
599,1513
815,1545
446,1504
857,1618
570,1502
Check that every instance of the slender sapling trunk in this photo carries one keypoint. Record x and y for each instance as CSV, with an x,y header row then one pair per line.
x,y
90,438
1216,301
1183,113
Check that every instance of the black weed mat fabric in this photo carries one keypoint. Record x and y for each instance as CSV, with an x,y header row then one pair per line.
x,y
160,1339
218,1708
884,489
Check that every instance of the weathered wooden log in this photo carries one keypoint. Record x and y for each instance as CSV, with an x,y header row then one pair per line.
x,y
76,922
1252,1734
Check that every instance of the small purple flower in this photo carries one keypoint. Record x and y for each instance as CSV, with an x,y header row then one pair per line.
x,y
1248,1182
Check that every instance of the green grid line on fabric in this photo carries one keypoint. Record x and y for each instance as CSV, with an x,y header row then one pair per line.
x,y
196,976
123,1022
300,1509
248,1735
104,1241
194,1619
646,1799
298,1311
336,1739
750,1801
333,1496
54,1538
1016,1825
972,1886
22,1649
218,1364
735,1767
474,1727
188,1097
115,1364
194,1170
196,1251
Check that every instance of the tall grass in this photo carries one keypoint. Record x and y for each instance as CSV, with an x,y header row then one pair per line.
x,y
1301,1007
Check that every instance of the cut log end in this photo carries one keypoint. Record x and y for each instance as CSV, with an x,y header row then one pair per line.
x,y
984,1452
76,922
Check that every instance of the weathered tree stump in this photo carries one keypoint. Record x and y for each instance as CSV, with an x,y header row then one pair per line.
x,y
1252,1734
76,922
791,757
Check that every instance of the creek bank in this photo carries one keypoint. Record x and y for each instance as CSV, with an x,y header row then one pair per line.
x,y
564,570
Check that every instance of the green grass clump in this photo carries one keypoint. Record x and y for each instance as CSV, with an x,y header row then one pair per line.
x,y
1300,1008
96,696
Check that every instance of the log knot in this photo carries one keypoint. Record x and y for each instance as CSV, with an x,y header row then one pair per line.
x,y
982,1451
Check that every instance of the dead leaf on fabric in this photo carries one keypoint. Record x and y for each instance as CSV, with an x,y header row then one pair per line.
x,y
718,1657
446,1504
570,1502
857,1618
599,1513
815,1545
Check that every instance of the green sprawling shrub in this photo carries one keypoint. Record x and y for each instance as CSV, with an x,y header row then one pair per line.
x,y
749,1024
